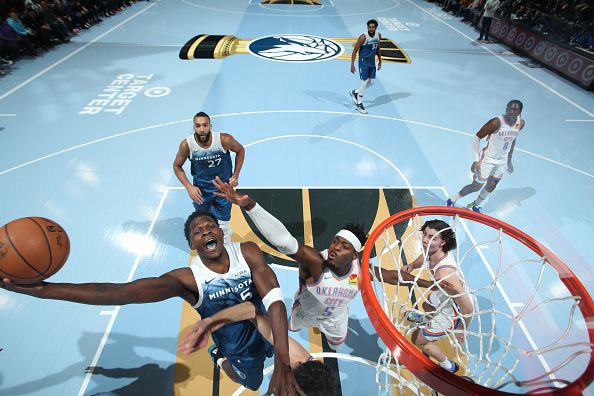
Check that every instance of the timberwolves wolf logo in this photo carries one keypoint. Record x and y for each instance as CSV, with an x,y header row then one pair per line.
x,y
295,48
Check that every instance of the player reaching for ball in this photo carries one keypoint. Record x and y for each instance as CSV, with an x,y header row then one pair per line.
x,y
328,280
231,273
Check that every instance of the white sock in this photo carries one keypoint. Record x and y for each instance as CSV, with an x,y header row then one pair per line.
x,y
447,364
482,196
361,91
227,232
456,197
362,87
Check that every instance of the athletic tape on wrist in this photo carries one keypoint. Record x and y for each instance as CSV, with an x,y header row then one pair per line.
x,y
273,295
349,236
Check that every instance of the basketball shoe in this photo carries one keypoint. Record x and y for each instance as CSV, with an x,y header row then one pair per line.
x,y
473,207
353,96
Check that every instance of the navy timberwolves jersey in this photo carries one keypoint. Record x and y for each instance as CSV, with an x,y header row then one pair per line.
x,y
206,163
368,50
220,291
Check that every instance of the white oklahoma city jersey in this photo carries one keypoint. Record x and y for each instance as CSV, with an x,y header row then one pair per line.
x,y
439,299
330,295
499,143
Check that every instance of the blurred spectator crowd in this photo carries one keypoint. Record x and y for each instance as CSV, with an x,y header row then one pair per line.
x,y
566,21
31,27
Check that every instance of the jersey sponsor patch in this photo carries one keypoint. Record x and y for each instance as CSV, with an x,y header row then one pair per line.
x,y
353,279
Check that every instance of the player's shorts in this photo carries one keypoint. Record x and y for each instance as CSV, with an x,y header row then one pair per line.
x,y
334,327
366,71
444,321
218,206
250,369
490,170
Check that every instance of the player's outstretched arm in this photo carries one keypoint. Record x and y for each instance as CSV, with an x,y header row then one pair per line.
x,y
415,264
229,143
308,258
140,291
197,336
283,381
391,277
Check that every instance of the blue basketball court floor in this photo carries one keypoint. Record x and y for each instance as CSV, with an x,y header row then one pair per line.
x,y
89,131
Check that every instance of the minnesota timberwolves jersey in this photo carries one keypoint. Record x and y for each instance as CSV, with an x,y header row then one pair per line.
x,y
499,143
206,163
330,295
220,291
368,50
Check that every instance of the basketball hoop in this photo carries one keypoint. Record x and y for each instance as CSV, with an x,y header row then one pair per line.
x,y
486,375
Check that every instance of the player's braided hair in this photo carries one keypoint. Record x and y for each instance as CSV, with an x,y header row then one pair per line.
x,y
444,230
192,217
315,378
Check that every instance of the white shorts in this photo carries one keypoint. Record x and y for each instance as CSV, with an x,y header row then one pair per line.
x,y
488,170
444,321
334,327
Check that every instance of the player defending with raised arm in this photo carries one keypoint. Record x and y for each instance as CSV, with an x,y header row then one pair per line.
x,y
313,376
328,280
368,46
449,303
221,276
209,155
490,163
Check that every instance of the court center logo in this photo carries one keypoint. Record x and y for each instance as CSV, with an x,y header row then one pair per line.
x,y
295,48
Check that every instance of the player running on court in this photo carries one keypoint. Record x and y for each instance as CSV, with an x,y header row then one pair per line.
x,y
209,155
220,276
449,303
328,280
489,163
368,47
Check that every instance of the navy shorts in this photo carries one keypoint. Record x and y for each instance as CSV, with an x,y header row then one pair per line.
x,y
218,206
366,71
250,369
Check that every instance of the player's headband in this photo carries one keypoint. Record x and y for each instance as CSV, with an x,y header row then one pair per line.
x,y
349,236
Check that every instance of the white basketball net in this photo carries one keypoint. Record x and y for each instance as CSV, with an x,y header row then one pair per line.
x,y
499,350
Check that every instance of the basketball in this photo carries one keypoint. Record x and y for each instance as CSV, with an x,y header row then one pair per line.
x,y
32,249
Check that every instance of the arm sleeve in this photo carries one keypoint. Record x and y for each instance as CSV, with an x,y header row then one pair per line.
x,y
273,230
476,142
